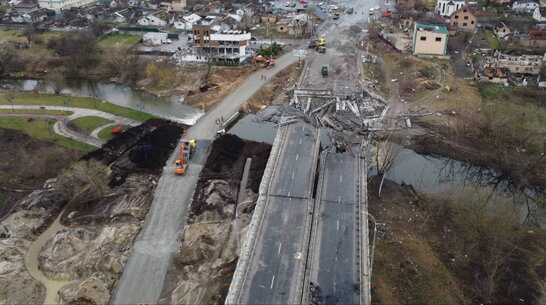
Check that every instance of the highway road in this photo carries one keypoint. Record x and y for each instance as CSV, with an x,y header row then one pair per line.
x,y
333,264
279,257
159,240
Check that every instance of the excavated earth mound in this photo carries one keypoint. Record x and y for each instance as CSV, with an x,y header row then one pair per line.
x,y
203,270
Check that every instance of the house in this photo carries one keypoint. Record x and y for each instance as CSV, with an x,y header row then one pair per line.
x,y
464,19
187,22
36,15
61,5
447,7
536,38
539,14
224,47
406,22
525,6
517,64
158,18
250,9
24,6
501,1
429,39
492,75
501,30
282,25
214,7
269,18
122,16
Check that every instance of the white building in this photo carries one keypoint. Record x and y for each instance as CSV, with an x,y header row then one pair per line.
x,y
539,14
59,5
159,18
447,7
186,22
525,6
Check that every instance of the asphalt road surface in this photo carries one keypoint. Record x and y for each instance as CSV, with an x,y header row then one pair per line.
x,y
159,240
279,255
333,266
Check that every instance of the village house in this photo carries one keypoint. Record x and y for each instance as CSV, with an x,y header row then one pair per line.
x,y
429,39
179,5
34,16
501,1
187,22
536,38
517,64
24,6
447,7
525,6
464,19
61,5
539,14
282,25
501,30
158,18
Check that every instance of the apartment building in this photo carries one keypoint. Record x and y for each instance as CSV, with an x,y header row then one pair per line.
x,y
227,47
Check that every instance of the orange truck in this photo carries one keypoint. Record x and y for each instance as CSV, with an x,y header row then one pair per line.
x,y
262,59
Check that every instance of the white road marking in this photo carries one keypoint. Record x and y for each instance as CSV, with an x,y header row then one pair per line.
x,y
293,175
337,227
300,140
297,155
340,178
272,281
339,199
288,194
280,245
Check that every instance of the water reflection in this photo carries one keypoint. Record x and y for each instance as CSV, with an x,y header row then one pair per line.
x,y
167,107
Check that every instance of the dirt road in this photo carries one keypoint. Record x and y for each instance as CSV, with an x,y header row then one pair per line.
x,y
159,240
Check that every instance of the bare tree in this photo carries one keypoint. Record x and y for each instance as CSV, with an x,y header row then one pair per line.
x,y
386,157
86,177
57,80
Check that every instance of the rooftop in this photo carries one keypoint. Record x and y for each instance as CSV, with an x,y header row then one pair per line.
x,y
437,28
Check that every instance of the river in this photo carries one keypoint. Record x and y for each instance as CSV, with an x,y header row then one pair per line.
x,y
427,174
166,107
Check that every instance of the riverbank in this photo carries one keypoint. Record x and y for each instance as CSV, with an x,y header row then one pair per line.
x,y
452,249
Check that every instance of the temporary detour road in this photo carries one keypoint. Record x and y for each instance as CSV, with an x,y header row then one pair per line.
x,y
159,240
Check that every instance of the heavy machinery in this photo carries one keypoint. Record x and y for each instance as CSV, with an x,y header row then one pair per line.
x,y
321,49
324,71
186,151
262,59
321,42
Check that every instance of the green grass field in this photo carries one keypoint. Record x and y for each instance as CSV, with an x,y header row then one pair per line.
x,y
43,99
105,134
121,40
40,129
36,111
90,123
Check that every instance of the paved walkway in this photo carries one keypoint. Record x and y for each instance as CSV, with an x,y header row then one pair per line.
x,y
159,240
61,126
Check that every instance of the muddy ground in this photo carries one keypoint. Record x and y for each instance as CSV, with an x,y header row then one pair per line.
x,y
222,81
443,250
26,163
274,92
203,270
101,226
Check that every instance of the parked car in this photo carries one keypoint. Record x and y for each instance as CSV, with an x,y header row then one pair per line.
x,y
350,11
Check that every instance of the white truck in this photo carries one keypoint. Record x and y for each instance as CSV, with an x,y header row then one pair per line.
x,y
372,11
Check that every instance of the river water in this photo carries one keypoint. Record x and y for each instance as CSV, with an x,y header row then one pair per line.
x,y
166,107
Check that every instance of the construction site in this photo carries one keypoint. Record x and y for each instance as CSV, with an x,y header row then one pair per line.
x,y
298,177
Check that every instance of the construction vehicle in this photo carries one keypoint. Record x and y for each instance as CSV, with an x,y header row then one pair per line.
x,y
320,42
324,71
321,49
262,59
186,152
